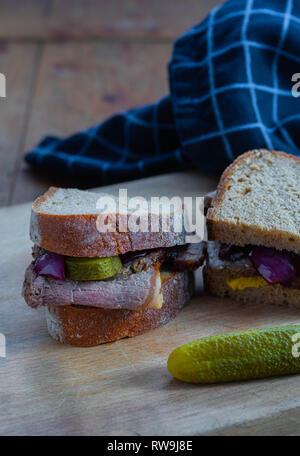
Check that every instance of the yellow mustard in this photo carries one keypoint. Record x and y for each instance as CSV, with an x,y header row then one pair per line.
x,y
240,283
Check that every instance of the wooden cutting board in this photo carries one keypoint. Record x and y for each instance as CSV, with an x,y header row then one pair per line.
x,y
124,388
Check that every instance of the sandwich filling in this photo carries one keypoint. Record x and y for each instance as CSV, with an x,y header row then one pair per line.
x,y
255,266
130,281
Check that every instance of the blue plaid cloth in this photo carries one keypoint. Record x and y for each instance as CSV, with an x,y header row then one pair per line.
x,y
230,91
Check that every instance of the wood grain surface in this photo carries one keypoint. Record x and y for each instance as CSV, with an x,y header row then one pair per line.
x,y
93,19
14,110
124,388
71,64
72,95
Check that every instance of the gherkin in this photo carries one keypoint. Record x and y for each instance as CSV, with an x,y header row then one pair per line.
x,y
238,356
92,268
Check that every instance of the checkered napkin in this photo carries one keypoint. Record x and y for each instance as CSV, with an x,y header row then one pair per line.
x,y
230,91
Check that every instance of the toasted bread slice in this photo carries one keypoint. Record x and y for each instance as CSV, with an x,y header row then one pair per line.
x,y
258,202
66,221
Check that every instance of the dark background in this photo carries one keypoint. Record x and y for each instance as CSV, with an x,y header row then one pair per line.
x,y
70,64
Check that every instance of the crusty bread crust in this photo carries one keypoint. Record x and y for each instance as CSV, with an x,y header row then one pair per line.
x,y
77,235
239,233
86,327
215,283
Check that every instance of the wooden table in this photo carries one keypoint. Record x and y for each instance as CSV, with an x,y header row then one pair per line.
x,y
69,65
124,388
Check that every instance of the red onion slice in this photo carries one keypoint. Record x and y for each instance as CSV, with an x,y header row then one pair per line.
x,y
275,266
50,265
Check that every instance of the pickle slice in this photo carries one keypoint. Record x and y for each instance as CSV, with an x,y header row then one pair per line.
x,y
92,268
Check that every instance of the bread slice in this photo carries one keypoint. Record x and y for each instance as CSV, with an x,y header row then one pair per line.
x,y
217,273
87,326
258,202
65,221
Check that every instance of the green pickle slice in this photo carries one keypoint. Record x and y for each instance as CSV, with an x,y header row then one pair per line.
x,y
238,356
92,268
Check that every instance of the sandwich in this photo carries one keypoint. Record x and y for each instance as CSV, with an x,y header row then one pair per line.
x,y
98,286
253,229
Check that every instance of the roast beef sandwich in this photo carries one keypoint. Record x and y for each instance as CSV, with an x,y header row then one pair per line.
x,y
253,226
99,286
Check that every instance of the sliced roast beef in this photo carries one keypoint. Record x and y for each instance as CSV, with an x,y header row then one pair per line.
x,y
141,262
189,257
137,291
